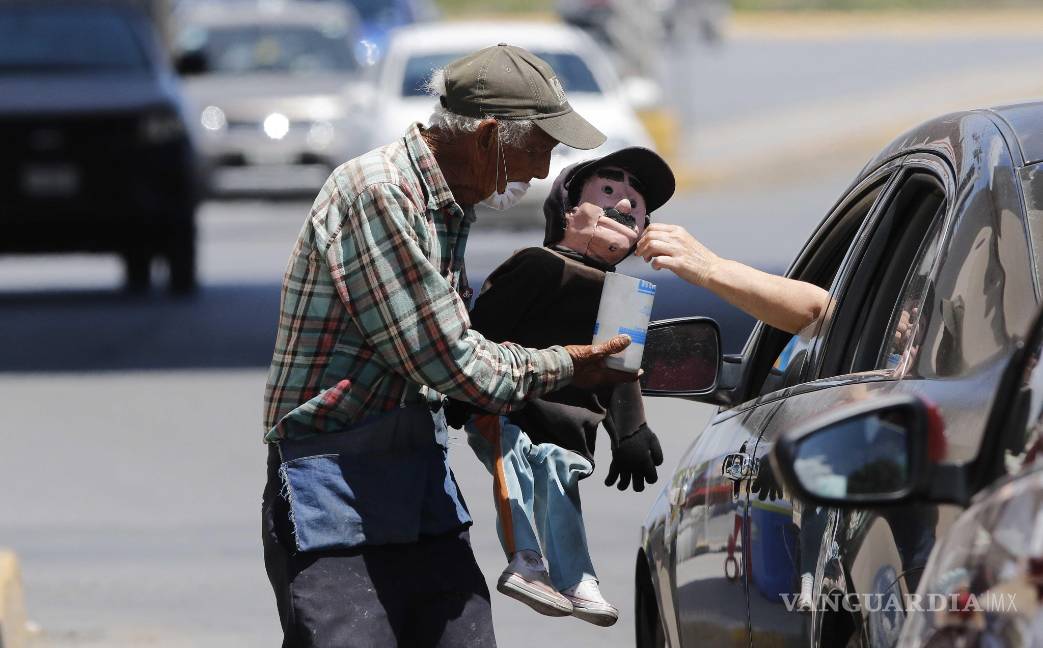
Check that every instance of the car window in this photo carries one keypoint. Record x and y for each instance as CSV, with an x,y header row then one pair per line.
x,y
867,303
887,314
781,358
573,73
285,49
1032,179
900,339
93,39
1023,441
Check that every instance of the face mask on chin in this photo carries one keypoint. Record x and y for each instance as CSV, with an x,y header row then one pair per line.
x,y
509,198
514,191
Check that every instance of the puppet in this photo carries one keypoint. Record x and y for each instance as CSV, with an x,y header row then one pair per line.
x,y
545,296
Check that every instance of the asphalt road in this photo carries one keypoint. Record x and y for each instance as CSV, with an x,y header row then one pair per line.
x,y
130,458
132,467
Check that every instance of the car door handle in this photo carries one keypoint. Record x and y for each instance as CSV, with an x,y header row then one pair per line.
x,y
739,465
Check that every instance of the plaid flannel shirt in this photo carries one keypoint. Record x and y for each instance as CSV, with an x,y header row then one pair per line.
x,y
369,314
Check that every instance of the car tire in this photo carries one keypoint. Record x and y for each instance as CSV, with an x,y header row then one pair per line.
x,y
648,628
137,269
181,258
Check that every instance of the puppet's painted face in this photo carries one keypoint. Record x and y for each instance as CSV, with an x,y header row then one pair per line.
x,y
607,186
610,217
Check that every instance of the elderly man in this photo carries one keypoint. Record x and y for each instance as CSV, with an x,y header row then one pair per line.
x,y
364,530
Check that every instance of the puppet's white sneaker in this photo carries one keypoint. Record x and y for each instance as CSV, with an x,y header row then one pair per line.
x,y
526,580
589,605
805,602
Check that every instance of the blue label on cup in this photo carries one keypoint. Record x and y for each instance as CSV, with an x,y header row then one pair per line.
x,y
597,325
636,336
646,287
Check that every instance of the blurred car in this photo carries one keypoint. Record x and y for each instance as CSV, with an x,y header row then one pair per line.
x,y
983,583
273,89
591,84
931,262
96,155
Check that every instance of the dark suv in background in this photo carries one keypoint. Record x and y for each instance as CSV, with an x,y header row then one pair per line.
x,y
95,152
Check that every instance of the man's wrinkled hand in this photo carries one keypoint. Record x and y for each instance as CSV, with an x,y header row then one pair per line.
x,y
588,361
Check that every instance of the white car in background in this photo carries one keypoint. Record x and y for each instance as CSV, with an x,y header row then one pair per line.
x,y
593,88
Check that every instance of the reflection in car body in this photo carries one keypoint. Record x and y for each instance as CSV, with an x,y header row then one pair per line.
x,y
939,234
96,155
275,93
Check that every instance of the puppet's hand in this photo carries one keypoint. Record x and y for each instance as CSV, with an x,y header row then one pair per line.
x,y
636,457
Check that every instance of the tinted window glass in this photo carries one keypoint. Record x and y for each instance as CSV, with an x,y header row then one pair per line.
x,y
61,40
1032,182
573,73
284,49
901,331
1023,438
873,292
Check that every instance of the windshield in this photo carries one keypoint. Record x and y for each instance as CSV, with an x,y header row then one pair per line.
x,y
62,40
573,73
290,49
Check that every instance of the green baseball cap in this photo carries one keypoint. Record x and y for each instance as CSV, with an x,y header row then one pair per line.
x,y
508,82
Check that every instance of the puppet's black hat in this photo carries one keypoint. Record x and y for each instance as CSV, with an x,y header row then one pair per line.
x,y
646,165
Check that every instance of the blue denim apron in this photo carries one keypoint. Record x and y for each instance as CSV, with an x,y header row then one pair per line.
x,y
384,481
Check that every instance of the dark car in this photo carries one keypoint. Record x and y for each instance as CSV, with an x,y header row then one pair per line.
x,y
983,583
96,155
931,262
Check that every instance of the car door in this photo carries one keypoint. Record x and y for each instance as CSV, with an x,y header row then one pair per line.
x,y
707,529
899,306
896,249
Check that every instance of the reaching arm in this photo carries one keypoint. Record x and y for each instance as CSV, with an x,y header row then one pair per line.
x,y
786,304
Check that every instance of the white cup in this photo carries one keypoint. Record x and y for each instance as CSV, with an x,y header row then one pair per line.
x,y
626,305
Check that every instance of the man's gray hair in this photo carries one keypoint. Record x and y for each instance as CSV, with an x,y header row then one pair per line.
x,y
513,132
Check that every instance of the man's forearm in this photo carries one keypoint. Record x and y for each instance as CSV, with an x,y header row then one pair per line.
x,y
784,303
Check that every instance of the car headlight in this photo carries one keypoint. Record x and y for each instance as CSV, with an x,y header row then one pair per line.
x,y
213,119
984,582
160,127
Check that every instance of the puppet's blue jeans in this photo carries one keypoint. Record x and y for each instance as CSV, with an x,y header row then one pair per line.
x,y
536,490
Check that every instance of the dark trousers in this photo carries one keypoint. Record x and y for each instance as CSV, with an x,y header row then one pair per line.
x,y
427,593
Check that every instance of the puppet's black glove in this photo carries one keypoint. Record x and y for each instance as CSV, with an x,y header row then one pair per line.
x,y
457,412
635,457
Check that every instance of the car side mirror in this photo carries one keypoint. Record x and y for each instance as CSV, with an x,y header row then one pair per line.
x,y
872,454
191,62
682,357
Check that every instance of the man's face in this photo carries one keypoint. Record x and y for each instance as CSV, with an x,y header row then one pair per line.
x,y
476,167
530,159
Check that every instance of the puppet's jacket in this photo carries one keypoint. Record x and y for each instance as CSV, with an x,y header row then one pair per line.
x,y
539,298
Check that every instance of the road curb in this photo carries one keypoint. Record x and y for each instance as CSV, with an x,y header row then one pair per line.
x,y
13,622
